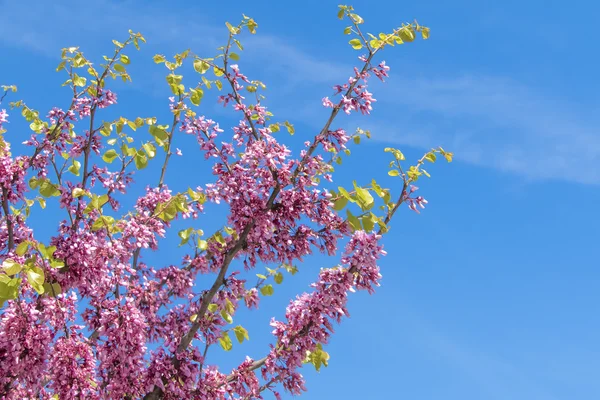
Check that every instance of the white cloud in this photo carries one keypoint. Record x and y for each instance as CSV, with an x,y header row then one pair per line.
x,y
495,122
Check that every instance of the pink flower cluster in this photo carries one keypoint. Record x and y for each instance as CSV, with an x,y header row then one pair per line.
x,y
12,175
355,96
121,354
3,117
72,367
310,316
414,202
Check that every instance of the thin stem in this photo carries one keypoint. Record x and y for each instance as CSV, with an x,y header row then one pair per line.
x,y
9,223
206,346
59,177
168,151
88,146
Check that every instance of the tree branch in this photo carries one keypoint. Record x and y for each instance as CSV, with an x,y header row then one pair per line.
x,y
9,223
230,255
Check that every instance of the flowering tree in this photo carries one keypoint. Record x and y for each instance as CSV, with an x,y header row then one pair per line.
x,y
89,315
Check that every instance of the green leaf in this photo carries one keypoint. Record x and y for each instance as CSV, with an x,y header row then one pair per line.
x,y
106,129
119,68
74,168
234,56
238,44
318,357
52,289
375,43
9,289
132,125
368,222
128,151
150,149
252,25
97,202
79,80
229,306
340,203
173,79
345,193
448,156
377,189
185,235
11,267
225,342
212,307
354,222
34,182
22,248
290,128
407,35
226,316
365,200
125,59
48,189
397,153
201,66
430,157
413,173
141,161
193,194
206,82
278,278
357,18
387,197
382,225
261,276
36,126
169,212
109,156
267,290
347,30
394,172
104,222
35,277
356,44
159,134
219,238
232,29
159,58
78,192
241,333
202,244
196,96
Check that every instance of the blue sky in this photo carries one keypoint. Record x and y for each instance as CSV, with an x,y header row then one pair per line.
x,y
490,293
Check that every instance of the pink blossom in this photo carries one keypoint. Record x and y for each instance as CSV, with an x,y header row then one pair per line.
x,y
72,369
